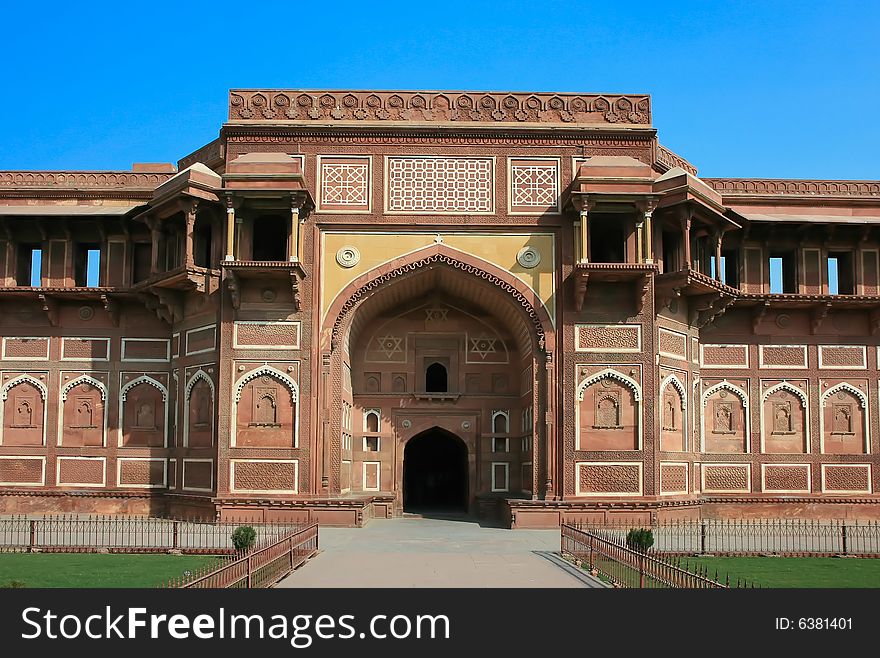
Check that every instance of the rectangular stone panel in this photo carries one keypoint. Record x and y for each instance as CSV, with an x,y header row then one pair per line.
x,y
23,471
280,335
372,476
870,274
534,185
609,478
200,340
146,349
672,344
440,185
25,348
500,476
673,478
198,474
81,471
608,337
135,472
812,278
782,356
175,345
344,184
850,357
264,475
785,478
85,349
172,474
726,478
846,478
724,356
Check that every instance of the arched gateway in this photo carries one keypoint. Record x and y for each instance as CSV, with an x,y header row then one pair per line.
x,y
427,351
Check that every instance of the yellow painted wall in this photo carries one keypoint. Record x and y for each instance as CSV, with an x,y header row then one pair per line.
x,y
498,249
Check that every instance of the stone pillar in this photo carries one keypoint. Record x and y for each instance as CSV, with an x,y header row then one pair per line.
x,y
717,238
686,229
549,427
585,236
293,242
188,258
156,239
230,230
649,237
640,239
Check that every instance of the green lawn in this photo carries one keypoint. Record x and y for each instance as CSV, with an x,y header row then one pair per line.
x,y
797,571
95,570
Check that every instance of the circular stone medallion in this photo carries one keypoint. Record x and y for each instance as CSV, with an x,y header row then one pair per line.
x,y
528,257
348,256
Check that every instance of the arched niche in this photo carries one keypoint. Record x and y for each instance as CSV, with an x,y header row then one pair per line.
x,y
199,428
144,413
266,410
725,419
83,412
24,411
608,412
844,420
673,415
784,420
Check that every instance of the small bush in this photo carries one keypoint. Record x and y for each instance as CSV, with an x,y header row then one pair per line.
x,y
244,537
640,539
13,584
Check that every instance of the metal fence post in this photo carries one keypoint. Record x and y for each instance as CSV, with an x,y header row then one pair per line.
x,y
32,541
641,571
176,540
843,536
702,537
248,563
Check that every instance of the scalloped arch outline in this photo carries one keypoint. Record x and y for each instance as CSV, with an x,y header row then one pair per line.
x,y
30,379
613,374
199,374
846,386
143,379
678,385
84,379
786,386
266,370
726,385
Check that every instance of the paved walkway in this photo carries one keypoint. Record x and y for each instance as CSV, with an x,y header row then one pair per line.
x,y
446,552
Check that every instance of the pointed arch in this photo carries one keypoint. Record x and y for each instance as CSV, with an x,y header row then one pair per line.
x,y
286,379
84,379
846,386
123,396
65,390
863,403
673,379
608,373
143,379
802,396
199,374
30,379
786,386
44,394
727,386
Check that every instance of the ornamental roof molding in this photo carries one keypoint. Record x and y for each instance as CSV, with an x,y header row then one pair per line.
x,y
430,107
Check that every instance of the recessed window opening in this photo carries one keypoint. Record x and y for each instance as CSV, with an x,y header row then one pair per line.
x,y
436,379
730,268
30,265
202,243
270,238
783,273
87,265
607,239
671,251
841,280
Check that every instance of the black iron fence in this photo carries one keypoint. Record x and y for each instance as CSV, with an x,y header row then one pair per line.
x,y
260,567
789,537
600,552
126,534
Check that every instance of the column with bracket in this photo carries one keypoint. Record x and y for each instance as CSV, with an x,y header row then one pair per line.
x,y
293,243
188,258
230,230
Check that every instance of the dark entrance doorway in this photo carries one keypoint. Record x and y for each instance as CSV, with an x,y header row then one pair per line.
x,y
435,473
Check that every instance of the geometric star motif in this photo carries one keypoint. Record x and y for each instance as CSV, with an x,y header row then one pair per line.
x,y
390,345
436,314
483,345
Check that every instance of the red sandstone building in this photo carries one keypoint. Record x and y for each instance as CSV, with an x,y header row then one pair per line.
x,y
353,304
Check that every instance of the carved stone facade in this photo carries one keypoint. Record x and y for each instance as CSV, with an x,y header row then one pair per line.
x,y
357,302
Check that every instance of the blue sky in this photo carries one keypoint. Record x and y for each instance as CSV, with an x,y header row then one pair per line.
x,y
762,89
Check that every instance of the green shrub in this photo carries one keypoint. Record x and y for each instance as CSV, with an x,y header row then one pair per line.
x,y
13,584
640,539
244,537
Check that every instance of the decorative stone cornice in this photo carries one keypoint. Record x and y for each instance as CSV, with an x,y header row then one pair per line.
x,y
668,159
745,187
75,180
310,106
